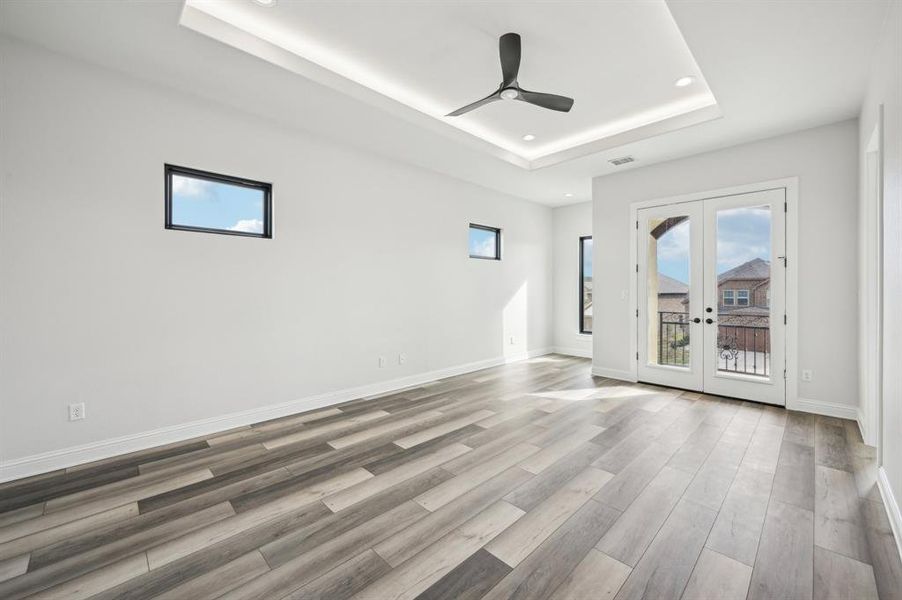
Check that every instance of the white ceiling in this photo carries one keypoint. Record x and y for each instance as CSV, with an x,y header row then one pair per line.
x,y
438,56
773,67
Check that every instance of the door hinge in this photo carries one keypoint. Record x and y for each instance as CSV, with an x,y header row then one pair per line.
x,y
784,373
784,320
637,356
637,224
637,267
637,312
786,207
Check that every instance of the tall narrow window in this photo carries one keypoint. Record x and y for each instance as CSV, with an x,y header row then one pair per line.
x,y
213,203
585,284
485,242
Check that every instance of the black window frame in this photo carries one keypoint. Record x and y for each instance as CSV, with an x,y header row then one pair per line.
x,y
582,282
496,231
170,170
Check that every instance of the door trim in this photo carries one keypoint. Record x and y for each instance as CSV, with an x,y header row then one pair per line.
x,y
870,343
791,185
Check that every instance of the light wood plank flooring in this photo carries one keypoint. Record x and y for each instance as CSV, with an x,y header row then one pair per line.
x,y
532,480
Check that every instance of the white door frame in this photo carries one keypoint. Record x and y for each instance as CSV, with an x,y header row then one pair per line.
x,y
791,185
870,286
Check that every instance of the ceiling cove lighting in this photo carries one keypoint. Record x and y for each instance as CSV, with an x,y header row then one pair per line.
x,y
568,195
221,20
528,137
264,2
684,81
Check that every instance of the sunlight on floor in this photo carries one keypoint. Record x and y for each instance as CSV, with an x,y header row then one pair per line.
x,y
515,324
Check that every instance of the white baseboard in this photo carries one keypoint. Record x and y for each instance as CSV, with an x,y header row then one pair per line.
x,y
892,507
862,429
572,351
820,407
614,374
77,455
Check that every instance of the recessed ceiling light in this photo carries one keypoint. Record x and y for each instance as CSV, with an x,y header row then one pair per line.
x,y
684,81
265,2
568,195
529,137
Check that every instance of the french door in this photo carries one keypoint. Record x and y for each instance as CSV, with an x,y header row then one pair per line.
x,y
712,287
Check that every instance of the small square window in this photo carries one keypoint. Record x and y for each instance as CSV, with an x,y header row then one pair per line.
x,y
485,242
213,203
742,297
728,298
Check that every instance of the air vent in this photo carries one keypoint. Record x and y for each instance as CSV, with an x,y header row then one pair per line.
x,y
621,161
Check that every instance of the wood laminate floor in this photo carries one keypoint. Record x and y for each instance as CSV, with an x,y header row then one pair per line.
x,y
532,480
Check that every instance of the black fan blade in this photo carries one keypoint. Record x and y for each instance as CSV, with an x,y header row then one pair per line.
x,y
509,48
552,101
488,99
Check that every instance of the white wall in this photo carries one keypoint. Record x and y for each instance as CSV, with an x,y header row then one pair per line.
x,y
825,161
570,223
885,87
154,328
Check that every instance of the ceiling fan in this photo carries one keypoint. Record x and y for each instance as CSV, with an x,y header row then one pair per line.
x,y
509,48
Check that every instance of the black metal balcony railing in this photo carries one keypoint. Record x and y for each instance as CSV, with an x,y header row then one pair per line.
x,y
743,342
673,339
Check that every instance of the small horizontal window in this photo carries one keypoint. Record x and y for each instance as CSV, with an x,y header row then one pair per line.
x,y
742,297
728,298
485,242
213,203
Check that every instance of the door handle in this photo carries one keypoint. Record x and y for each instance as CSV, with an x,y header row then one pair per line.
x,y
709,309
696,320
709,321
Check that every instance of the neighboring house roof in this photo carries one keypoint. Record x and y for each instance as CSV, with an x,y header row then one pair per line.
x,y
669,285
757,268
745,311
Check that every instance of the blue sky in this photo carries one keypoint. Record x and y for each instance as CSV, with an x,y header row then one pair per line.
x,y
201,203
482,242
587,259
742,234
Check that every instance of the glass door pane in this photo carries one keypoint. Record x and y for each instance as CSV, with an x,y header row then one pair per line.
x,y
743,290
667,291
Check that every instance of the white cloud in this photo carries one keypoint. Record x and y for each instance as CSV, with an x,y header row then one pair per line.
x,y
188,187
732,254
743,234
483,247
674,244
248,226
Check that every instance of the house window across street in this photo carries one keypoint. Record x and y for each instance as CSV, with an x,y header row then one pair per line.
x,y
728,298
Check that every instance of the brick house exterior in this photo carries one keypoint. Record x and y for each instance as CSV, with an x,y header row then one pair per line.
x,y
743,313
672,295
743,305
747,285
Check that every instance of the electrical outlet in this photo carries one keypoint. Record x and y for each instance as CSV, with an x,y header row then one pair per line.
x,y
381,362
402,358
513,340
806,375
77,411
